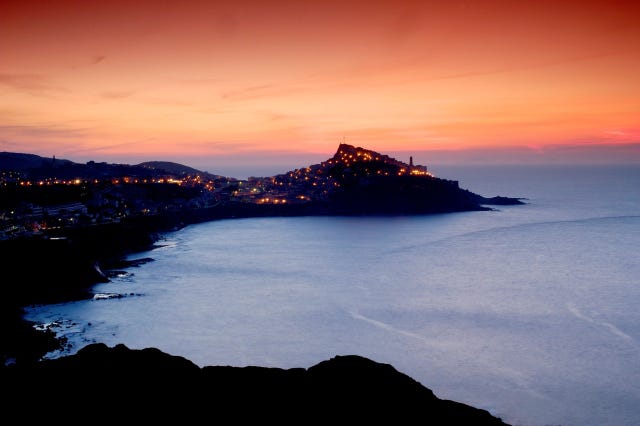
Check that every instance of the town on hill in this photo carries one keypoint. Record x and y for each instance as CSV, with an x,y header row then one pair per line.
x,y
42,196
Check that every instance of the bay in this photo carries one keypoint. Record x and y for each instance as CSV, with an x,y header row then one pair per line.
x,y
529,311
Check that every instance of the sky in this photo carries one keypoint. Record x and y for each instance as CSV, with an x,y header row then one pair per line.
x,y
235,87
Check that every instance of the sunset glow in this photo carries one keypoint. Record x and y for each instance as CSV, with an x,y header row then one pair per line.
x,y
211,83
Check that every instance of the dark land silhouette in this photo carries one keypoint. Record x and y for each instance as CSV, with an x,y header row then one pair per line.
x,y
149,385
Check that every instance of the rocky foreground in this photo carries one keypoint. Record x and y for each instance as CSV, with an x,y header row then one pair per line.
x,y
123,384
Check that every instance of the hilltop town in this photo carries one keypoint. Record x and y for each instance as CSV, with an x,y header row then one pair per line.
x,y
42,196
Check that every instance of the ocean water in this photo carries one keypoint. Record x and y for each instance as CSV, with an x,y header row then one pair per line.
x,y
531,312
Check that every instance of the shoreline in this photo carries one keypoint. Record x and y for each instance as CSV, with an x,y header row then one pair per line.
x,y
64,268
63,265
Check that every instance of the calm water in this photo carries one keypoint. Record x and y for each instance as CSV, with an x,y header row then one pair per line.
x,y
530,312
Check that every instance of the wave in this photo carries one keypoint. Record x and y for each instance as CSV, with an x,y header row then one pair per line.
x,y
602,324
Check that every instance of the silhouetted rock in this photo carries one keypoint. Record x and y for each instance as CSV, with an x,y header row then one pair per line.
x,y
120,383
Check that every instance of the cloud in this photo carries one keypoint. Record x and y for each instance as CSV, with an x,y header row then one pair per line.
x,y
522,67
167,101
570,153
256,92
117,94
246,92
204,81
211,147
93,60
97,59
33,84
275,117
43,139
99,148
45,131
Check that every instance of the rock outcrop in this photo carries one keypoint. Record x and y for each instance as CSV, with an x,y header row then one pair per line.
x,y
123,384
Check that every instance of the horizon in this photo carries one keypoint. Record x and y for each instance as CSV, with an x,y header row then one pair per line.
x,y
264,83
244,166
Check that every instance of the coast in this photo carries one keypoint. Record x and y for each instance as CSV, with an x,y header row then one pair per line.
x,y
63,267
62,264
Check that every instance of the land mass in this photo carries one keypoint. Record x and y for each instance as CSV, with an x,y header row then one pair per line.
x,y
63,224
151,385
40,195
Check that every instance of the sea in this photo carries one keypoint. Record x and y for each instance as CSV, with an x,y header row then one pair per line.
x,y
531,312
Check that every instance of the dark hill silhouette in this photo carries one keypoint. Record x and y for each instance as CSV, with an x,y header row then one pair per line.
x,y
37,167
172,168
151,385
360,181
22,162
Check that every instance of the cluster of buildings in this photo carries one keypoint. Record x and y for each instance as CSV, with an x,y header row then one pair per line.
x,y
33,205
316,182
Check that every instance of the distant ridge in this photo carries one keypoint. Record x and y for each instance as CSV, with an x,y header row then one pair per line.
x,y
36,166
18,161
171,167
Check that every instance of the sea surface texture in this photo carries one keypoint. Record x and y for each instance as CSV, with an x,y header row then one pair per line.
x,y
531,312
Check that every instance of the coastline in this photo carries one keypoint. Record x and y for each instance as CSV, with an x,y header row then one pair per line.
x,y
64,264
64,267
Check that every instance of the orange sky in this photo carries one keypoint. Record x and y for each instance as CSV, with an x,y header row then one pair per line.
x,y
213,82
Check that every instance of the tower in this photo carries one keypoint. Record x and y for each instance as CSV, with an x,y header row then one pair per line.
x,y
411,161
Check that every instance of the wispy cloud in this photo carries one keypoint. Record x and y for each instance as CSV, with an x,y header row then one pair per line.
x,y
622,135
219,146
522,67
256,92
43,139
80,150
33,84
117,94
97,59
93,60
566,153
168,101
247,92
46,131
204,81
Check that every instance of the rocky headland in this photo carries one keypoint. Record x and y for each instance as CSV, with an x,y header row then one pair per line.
x,y
121,383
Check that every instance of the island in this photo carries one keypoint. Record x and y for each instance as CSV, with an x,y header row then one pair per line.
x,y
64,225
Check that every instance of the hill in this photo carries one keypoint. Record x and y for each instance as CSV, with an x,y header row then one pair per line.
x,y
37,167
21,162
150,385
178,169
171,167
360,181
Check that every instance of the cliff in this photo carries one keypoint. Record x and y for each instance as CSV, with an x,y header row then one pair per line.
x,y
150,385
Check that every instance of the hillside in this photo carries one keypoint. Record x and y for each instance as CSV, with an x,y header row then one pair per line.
x,y
37,167
150,385
360,181
171,167
21,162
